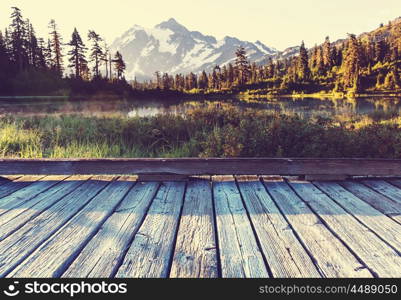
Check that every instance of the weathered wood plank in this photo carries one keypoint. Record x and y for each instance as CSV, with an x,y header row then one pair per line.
x,y
195,252
284,253
152,248
385,188
14,218
326,177
375,199
10,187
162,177
381,224
395,181
240,255
206,166
54,256
104,252
331,257
377,255
9,178
26,193
15,248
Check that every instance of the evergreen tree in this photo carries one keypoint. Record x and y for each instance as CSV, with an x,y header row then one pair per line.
x,y
191,81
166,82
179,82
293,70
230,75
203,82
119,65
327,54
224,76
47,53
77,55
320,65
396,42
41,55
214,82
96,54
271,72
254,73
3,49
35,53
242,67
379,50
303,71
18,33
110,67
158,80
55,48
313,59
4,57
352,63
105,58
369,49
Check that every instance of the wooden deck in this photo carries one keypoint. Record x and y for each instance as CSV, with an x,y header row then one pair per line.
x,y
220,226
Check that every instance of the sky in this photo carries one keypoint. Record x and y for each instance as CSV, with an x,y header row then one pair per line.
x,y
276,23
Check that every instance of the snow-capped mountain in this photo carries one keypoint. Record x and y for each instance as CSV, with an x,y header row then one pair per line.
x,y
172,48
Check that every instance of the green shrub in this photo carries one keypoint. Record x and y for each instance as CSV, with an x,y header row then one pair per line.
x,y
211,132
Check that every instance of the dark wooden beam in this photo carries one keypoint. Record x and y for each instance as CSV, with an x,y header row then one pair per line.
x,y
204,166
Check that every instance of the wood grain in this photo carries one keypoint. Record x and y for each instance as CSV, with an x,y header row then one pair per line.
x,y
284,253
330,255
240,255
195,254
376,254
152,248
389,190
13,186
372,218
204,166
380,202
14,218
53,257
26,193
15,248
103,254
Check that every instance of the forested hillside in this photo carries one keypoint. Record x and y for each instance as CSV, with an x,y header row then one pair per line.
x,y
369,62
35,65
30,64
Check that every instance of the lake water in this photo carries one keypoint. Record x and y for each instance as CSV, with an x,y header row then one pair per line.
x,y
24,106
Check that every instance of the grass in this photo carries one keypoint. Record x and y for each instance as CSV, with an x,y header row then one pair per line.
x,y
211,132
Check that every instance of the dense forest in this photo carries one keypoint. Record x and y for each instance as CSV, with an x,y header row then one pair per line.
x,y
33,65
30,65
370,62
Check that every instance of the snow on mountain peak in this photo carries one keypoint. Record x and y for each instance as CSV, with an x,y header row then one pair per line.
x,y
170,47
173,25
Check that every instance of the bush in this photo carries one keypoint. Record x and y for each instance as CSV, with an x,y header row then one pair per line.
x,y
221,131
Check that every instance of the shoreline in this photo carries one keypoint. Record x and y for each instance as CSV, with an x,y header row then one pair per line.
x,y
211,96
339,95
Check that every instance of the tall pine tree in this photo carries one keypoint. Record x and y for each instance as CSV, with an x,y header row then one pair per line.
x,y
96,54
18,34
77,55
56,53
242,67
352,63
119,65
303,71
